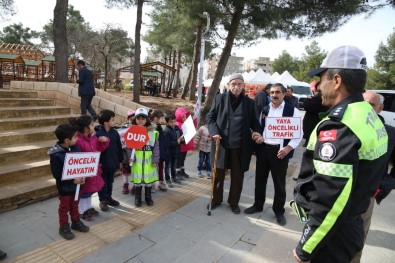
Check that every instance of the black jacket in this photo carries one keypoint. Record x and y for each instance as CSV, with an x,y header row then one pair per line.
x,y
113,156
85,81
171,147
57,154
217,122
313,107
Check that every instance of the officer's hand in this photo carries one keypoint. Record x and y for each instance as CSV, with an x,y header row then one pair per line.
x,y
297,258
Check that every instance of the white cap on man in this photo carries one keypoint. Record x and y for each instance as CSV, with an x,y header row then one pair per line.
x,y
344,57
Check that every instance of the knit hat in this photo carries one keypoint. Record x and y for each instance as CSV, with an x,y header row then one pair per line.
x,y
235,76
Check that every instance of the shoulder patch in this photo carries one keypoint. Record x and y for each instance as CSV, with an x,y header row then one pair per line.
x,y
327,136
327,152
337,112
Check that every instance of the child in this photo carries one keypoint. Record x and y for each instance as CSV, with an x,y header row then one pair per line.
x,y
172,140
110,159
202,142
126,169
67,138
88,142
146,160
157,117
181,115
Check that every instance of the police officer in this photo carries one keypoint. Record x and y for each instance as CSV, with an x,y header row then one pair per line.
x,y
344,156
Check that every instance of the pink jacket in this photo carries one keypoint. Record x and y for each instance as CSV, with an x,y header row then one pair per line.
x,y
180,112
91,144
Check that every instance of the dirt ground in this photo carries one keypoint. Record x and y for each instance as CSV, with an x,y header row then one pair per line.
x,y
162,103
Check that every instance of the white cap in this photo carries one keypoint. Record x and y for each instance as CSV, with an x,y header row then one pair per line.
x,y
141,112
344,57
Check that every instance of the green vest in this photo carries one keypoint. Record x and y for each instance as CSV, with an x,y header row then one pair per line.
x,y
142,169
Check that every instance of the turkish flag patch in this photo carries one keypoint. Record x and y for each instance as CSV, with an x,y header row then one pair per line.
x,y
327,136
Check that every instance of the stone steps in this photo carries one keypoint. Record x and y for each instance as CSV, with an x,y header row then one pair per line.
x,y
33,122
15,102
27,125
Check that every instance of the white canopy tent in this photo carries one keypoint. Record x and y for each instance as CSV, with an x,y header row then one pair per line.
x,y
260,78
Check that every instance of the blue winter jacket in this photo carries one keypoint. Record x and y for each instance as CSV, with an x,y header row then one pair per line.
x,y
57,154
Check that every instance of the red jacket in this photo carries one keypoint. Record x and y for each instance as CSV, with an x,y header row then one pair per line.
x,y
91,144
181,112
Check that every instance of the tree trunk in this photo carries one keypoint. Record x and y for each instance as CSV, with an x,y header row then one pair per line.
x,y
60,40
224,56
137,53
186,86
105,72
168,88
195,61
177,80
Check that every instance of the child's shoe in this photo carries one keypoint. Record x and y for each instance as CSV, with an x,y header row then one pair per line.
x,y
125,188
104,206
208,175
79,226
86,216
65,232
177,180
162,186
184,173
93,211
170,183
112,202
200,174
153,188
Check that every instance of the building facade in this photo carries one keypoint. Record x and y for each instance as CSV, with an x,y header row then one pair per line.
x,y
262,62
234,65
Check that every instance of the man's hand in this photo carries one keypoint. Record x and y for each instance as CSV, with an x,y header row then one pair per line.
x,y
154,164
284,151
216,138
256,137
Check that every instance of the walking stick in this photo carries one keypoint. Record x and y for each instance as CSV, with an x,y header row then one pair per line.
x,y
213,173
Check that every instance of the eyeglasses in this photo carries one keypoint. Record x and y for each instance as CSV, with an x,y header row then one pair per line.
x,y
236,84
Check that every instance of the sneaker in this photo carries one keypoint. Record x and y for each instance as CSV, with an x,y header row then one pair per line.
x,y
208,175
169,184
133,190
86,216
125,188
177,180
200,174
79,226
181,178
153,188
65,232
185,174
3,255
162,186
93,211
104,206
112,202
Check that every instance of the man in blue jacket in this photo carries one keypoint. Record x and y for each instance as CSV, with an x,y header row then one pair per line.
x,y
86,90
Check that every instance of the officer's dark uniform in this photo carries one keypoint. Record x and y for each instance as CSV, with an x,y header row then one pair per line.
x,y
341,169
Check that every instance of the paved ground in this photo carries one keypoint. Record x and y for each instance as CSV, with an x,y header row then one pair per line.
x,y
177,229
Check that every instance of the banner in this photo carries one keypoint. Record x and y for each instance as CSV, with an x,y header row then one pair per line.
x,y
188,129
83,164
283,128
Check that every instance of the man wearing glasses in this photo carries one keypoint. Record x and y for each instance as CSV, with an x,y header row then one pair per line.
x,y
232,120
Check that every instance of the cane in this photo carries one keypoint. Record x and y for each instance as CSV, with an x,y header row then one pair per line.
x,y
213,173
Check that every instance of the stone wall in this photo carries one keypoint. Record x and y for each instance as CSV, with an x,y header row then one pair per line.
x,y
66,94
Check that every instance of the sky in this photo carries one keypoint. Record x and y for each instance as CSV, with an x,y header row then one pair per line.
x,y
365,33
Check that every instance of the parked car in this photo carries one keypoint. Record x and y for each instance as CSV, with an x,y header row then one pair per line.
x,y
301,92
388,112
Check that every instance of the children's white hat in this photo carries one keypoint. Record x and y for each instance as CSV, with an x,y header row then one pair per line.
x,y
141,112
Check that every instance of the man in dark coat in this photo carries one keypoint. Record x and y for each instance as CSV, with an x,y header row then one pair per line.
x,y
231,120
86,89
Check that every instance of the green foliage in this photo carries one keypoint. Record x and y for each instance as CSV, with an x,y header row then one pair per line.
x,y
7,8
285,62
311,59
382,76
17,34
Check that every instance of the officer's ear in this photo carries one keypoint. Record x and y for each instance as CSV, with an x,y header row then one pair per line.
x,y
337,82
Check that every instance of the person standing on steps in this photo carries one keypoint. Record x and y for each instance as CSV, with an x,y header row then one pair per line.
x,y
86,89
232,120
